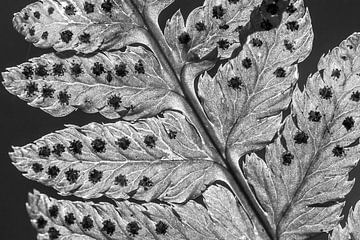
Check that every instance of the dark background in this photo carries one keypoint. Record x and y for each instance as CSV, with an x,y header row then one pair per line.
x,y
333,21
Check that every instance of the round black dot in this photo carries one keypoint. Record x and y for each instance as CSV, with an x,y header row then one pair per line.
x,y
150,141
98,145
87,223
301,137
107,6
108,227
37,167
184,38
287,158
355,96
70,10
290,9
69,218
218,12
292,26
336,73
280,72
58,149
200,26
51,10
172,134
98,69
256,42
37,15
139,67
95,176
76,69
247,63
76,147
223,44
325,92
114,101
338,151
289,46
53,211
236,83
58,69
45,35
72,175
53,233
41,70
89,7
84,38
53,171
348,123
120,70
64,97
123,143
146,183
41,222
32,31
161,228
66,36
26,16
133,228
31,88
121,180
28,71
44,151
314,116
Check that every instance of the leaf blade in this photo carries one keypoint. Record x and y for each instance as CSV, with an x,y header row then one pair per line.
x,y
79,25
209,24
307,179
115,84
255,87
177,218
160,158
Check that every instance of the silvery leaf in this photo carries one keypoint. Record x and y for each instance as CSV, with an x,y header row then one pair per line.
x,y
128,84
303,181
244,100
159,158
223,218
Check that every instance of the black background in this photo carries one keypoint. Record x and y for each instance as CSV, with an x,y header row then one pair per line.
x,y
333,21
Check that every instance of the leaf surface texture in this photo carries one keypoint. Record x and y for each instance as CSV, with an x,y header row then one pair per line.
x,y
303,181
128,84
147,221
244,99
162,158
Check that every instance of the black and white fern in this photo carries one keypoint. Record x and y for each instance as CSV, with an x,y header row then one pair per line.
x,y
193,104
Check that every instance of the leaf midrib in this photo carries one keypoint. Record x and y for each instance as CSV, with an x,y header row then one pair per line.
x,y
162,54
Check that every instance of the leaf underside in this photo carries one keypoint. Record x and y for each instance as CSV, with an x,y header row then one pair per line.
x,y
257,85
128,84
303,181
162,158
129,220
170,165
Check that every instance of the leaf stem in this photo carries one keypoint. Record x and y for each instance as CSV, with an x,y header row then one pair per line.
x,y
185,80
247,205
240,179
